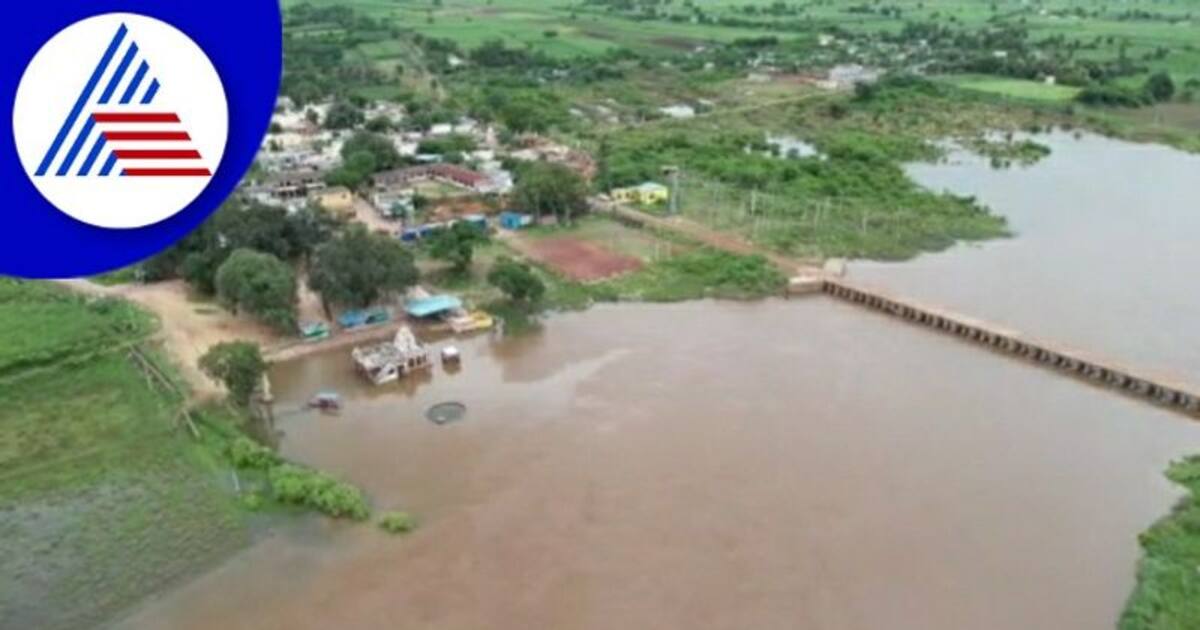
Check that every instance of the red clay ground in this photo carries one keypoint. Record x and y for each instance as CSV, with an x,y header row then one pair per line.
x,y
580,260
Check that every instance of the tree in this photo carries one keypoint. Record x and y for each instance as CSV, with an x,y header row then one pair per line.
x,y
357,268
550,188
240,223
238,365
259,284
308,228
343,115
380,124
1160,87
517,280
456,245
363,155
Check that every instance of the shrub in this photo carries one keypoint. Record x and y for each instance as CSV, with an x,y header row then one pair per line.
x,y
517,280
397,523
301,486
1112,96
247,454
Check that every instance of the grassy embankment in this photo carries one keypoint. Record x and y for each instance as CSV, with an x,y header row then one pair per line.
x,y
103,499
1167,596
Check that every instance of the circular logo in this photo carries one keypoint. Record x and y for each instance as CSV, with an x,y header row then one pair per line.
x,y
132,122
120,120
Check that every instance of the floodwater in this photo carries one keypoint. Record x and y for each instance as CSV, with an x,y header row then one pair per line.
x,y
785,464
1105,255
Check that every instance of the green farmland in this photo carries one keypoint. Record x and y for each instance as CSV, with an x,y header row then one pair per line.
x,y
1017,88
103,498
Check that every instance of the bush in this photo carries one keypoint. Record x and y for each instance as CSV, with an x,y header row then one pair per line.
x,y
1112,96
517,280
247,454
397,523
301,486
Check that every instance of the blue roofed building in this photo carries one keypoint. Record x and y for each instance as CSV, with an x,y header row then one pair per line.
x,y
432,306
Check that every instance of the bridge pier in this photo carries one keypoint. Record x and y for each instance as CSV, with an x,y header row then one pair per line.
x,y
1169,395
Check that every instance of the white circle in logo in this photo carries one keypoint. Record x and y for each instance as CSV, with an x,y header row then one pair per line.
x,y
120,120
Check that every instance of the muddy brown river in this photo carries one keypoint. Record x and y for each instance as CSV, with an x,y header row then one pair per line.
x,y
784,464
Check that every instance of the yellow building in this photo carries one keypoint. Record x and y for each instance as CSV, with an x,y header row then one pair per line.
x,y
337,199
647,194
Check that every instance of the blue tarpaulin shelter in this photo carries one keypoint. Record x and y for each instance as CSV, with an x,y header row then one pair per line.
x,y
432,305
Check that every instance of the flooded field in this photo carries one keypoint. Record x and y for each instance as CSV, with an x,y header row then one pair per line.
x,y
786,464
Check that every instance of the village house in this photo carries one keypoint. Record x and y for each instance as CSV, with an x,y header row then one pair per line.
x,y
540,149
294,184
446,173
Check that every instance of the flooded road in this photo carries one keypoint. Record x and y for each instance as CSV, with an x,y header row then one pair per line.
x,y
786,464
778,465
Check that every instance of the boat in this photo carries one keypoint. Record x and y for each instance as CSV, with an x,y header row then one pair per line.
x,y
387,362
451,356
464,322
314,331
325,401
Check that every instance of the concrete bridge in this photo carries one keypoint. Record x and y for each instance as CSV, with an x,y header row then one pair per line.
x,y
1159,389
807,276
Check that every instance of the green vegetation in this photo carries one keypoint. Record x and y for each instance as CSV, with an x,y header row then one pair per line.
x,y
551,190
1017,88
1167,596
298,485
240,224
103,498
292,484
397,522
358,267
1008,151
363,155
238,365
41,324
261,285
517,280
456,245
702,273
852,199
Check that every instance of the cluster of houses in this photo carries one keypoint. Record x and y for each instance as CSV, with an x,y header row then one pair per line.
x,y
299,154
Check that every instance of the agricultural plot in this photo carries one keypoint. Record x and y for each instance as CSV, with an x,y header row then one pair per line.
x,y
1017,88
539,26
102,498
596,248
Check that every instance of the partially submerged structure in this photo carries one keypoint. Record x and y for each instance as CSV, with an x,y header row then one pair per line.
x,y
387,362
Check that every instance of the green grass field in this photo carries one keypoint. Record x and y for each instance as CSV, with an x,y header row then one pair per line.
x,y
103,499
1017,88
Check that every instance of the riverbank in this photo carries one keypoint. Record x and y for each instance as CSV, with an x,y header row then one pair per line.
x,y
1167,595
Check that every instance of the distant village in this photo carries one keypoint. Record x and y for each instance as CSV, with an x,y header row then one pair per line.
x,y
299,155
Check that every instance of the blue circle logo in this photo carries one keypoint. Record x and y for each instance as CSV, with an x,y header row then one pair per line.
x,y
131,123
